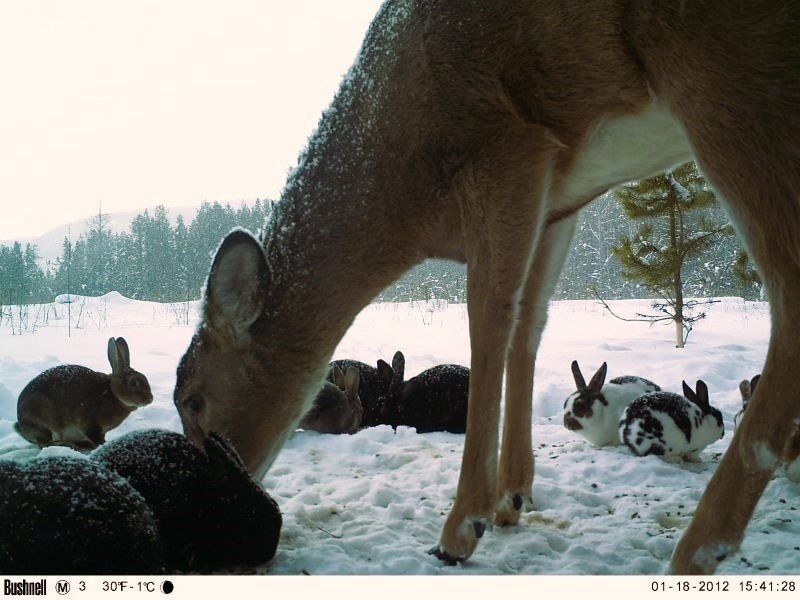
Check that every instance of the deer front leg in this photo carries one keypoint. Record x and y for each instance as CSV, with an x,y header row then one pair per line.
x,y
475,496
502,212
515,475
490,321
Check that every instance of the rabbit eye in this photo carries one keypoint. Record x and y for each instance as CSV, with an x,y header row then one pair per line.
x,y
582,408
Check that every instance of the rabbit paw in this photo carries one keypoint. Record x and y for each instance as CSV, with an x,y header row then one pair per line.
x,y
459,542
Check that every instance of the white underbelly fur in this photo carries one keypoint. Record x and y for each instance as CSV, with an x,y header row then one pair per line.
x,y
624,149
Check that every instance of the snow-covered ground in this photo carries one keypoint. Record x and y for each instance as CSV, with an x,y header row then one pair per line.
x,y
373,502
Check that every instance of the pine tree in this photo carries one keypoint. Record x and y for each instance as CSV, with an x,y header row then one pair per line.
x,y
61,283
676,229
209,226
747,276
99,254
139,256
38,290
78,268
161,284
184,288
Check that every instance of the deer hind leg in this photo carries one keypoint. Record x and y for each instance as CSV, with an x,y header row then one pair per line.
x,y
502,212
766,437
725,508
770,423
515,475
754,163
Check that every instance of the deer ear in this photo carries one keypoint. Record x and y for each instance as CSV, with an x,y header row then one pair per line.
x,y
236,286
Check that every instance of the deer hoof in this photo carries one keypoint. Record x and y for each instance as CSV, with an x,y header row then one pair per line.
x,y
509,509
443,556
463,543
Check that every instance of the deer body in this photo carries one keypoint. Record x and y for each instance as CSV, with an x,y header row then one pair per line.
x,y
475,131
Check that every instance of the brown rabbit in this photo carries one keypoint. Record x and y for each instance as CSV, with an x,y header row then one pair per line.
x,y
746,389
72,405
790,466
337,407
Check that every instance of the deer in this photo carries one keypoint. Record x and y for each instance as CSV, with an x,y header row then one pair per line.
x,y
476,131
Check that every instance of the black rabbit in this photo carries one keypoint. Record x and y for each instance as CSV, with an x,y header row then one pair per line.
x,y
434,400
70,515
211,513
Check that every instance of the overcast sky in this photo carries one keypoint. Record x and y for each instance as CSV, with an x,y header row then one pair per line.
x,y
132,103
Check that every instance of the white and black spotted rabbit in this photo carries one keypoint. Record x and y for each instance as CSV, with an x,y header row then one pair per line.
x,y
668,424
593,411
72,405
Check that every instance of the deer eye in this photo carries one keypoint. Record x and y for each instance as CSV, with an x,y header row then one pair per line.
x,y
194,403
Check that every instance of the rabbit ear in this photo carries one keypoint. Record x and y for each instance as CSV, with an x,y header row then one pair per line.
x,y
702,396
399,368
385,372
399,363
746,390
113,357
338,377
580,382
124,353
689,392
753,383
599,378
224,461
351,381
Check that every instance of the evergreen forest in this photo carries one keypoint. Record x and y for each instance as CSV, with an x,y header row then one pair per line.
x,y
166,260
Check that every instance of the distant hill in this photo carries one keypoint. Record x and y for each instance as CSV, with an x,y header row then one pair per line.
x,y
50,242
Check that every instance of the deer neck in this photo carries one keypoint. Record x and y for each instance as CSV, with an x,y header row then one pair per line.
x,y
333,244
338,236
